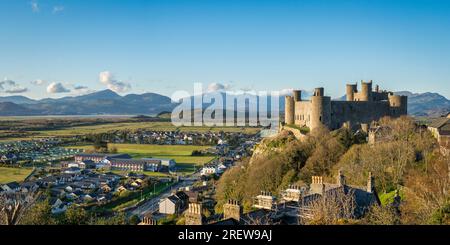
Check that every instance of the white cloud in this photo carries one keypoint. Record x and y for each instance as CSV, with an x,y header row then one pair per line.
x,y
38,82
286,91
34,6
54,88
57,9
16,90
108,79
11,87
213,87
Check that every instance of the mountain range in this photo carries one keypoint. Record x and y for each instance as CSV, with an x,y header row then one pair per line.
x,y
102,102
108,102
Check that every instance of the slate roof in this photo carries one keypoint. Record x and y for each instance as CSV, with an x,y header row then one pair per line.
x,y
13,185
174,199
362,198
439,122
132,161
103,155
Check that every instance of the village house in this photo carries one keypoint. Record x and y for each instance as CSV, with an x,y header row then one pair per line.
x,y
11,187
379,134
134,164
98,157
30,186
57,205
211,169
295,204
174,204
166,164
9,158
440,128
362,196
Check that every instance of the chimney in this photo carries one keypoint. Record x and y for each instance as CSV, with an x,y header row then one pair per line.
x,y
232,210
317,180
317,185
148,220
193,215
370,183
340,179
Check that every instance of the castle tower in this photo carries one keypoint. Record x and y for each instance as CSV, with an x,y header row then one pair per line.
x,y
320,109
398,104
297,95
232,210
366,91
289,110
193,215
318,92
351,89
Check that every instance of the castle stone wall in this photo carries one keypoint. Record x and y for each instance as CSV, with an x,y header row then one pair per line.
x,y
362,107
357,112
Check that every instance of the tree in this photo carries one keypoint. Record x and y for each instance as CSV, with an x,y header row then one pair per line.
x,y
75,216
118,219
39,214
13,206
427,192
382,215
99,144
330,208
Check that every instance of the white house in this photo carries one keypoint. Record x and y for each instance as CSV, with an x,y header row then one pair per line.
x,y
174,204
209,169
58,207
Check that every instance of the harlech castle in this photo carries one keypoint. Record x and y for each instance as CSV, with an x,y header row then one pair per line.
x,y
358,111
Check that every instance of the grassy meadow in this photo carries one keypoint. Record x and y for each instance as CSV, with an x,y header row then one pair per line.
x,y
13,174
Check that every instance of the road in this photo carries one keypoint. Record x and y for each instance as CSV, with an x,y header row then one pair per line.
x,y
152,204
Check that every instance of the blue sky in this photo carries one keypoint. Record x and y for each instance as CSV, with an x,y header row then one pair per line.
x,y
55,48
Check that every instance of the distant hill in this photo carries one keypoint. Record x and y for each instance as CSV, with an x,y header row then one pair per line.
x,y
426,104
109,102
102,102
17,99
11,109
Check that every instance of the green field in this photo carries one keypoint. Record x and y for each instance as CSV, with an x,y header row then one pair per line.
x,y
180,153
113,126
13,174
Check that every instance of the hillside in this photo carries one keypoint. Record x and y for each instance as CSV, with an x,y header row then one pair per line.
x,y
102,102
426,104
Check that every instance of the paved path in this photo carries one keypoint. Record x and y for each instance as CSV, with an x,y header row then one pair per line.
x,y
152,204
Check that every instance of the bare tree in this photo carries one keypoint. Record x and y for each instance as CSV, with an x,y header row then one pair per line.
x,y
382,215
265,219
14,205
333,207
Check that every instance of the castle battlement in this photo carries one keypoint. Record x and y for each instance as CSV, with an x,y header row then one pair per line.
x,y
360,107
